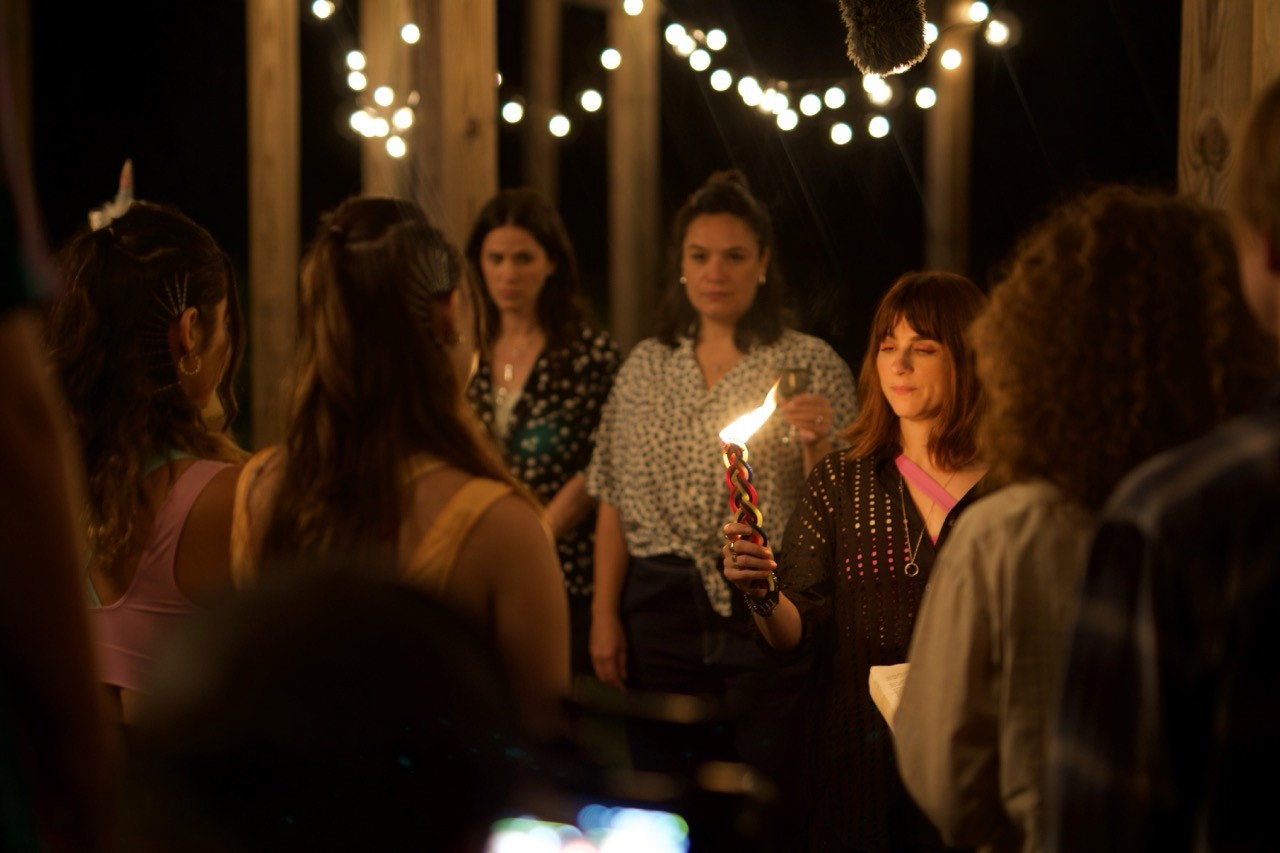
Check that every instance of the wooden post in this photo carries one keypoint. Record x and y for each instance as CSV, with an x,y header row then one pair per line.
x,y
388,63
15,22
272,31
948,144
455,143
635,232
542,49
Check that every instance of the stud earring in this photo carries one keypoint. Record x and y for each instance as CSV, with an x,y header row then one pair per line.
x,y
760,283
182,367
683,280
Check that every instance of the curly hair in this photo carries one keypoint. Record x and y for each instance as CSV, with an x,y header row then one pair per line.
x,y
940,306
1117,331
108,334
766,319
372,383
560,307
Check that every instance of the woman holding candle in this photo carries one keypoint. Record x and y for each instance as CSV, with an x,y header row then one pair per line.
x,y
382,463
662,615
545,378
860,548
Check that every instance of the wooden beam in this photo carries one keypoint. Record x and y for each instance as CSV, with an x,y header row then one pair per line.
x,y
1266,43
272,33
388,62
542,49
455,143
15,22
635,232
948,146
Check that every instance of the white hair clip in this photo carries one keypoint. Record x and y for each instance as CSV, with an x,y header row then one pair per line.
x,y
103,216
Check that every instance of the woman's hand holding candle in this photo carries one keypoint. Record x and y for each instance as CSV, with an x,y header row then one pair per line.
x,y
746,565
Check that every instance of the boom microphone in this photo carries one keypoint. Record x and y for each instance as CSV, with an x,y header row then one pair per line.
x,y
884,35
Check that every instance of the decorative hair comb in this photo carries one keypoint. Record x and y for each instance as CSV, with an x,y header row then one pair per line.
x,y
103,216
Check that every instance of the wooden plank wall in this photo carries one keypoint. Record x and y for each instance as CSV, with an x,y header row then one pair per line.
x,y
1230,50
272,35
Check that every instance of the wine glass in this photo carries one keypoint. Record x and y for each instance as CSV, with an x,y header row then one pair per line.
x,y
792,381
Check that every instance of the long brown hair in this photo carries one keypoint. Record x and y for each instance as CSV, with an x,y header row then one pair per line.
x,y
560,307
373,384
940,306
108,333
1116,331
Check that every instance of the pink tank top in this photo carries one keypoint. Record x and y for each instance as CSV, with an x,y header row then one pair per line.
x,y
126,631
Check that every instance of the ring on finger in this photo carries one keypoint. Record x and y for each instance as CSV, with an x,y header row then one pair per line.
x,y
732,549
734,560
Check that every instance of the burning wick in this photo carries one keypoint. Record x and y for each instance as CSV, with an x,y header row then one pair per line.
x,y
743,496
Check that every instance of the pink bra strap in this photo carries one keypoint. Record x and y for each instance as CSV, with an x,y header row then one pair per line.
x,y
925,483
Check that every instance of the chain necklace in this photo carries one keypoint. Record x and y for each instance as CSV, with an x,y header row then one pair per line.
x,y
912,568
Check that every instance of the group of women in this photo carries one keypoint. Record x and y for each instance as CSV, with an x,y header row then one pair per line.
x,y
582,496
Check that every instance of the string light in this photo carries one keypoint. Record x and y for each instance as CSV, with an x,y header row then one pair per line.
x,y
410,33
633,7
360,122
396,147
323,8
930,32
834,98
674,34
512,112
716,39
402,118
787,119
811,104
721,80
610,58
951,59
356,60
878,127
926,97
559,125
687,45
380,126
700,60
978,11
591,100
383,96
357,81
841,133
996,33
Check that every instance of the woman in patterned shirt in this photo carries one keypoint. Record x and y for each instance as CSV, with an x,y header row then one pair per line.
x,y
545,378
662,616
857,557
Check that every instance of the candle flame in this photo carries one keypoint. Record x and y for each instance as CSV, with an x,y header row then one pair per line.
x,y
741,430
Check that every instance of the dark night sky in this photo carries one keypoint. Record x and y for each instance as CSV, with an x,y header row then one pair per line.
x,y
1089,95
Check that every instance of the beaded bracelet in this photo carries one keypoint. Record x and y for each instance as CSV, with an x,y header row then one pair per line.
x,y
763,607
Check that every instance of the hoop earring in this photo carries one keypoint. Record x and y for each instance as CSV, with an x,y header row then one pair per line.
x,y
182,368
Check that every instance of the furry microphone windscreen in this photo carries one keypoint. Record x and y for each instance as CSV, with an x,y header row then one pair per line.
x,y
884,34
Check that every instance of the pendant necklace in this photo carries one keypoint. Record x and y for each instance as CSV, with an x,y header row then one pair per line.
x,y
911,569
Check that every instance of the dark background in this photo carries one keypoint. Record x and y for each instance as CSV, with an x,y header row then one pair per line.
x,y
1088,95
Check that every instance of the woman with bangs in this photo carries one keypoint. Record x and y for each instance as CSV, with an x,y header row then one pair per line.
x,y
145,339
384,465
1118,331
860,549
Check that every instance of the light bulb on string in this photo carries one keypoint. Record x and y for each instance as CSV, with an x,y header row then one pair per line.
x,y
323,8
996,33
687,45
357,81
841,133
716,39
559,125
356,60
633,7
512,112
674,34
750,91
834,98
721,80
787,119
410,33
810,104
380,126
610,58
951,59
700,60
781,103
360,122
396,147
383,96
930,32
878,127
978,11
926,97
591,100
767,99
402,118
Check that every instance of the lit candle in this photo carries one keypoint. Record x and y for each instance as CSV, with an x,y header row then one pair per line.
x,y
743,497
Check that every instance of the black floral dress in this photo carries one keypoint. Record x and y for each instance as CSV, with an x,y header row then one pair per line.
x,y
551,434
